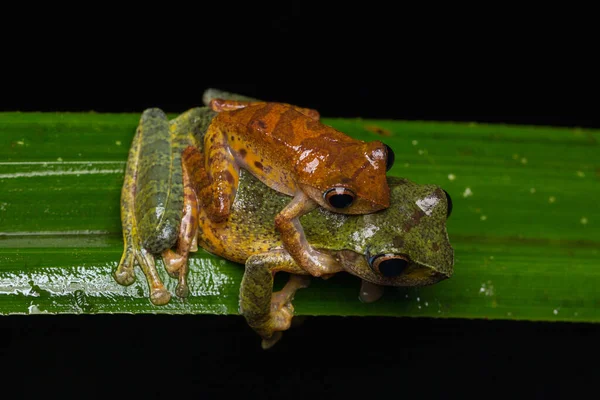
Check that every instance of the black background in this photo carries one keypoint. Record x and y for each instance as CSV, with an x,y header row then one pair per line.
x,y
370,67
399,97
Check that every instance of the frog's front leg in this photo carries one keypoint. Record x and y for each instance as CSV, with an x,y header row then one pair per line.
x,y
266,312
194,176
292,235
176,263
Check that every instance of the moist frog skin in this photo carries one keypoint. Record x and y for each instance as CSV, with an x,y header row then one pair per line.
x,y
405,244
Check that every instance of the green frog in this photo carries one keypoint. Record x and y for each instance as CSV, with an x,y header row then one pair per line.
x,y
405,244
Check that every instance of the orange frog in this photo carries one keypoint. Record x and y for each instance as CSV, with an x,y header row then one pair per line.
x,y
291,151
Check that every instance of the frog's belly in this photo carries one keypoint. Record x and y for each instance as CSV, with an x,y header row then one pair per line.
x,y
235,243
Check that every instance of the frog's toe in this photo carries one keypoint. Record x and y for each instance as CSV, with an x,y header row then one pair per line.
x,y
173,262
272,341
370,292
160,297
124,277
281,316
194,245
182,290
124,274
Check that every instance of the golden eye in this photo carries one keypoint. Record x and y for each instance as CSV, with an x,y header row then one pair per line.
x,y
389,265
339,197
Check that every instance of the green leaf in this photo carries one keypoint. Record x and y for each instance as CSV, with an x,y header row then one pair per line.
x,y
525,225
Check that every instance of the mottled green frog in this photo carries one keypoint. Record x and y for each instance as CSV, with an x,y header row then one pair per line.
x,y
404,245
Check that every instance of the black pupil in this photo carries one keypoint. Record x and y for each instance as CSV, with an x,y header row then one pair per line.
x,y
449,199
340,200
390,158
393,267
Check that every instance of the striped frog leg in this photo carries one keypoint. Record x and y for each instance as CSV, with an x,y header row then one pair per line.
x,y
146,196
176,262
153,198
223,174
188,130
221,104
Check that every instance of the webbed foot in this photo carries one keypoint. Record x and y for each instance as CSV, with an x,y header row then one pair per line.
x,y
266,312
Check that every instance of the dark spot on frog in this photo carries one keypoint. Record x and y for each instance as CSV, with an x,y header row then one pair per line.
x,y
243,153
228,177
232,138
258,165
378,130
435,246
413,220
259,125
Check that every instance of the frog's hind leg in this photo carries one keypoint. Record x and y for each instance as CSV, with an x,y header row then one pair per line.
x,y
134,253
124,273
220,105
226,101
266,312
211,93
176,263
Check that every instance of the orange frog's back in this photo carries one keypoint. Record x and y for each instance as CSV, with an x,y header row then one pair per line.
x,y
287,148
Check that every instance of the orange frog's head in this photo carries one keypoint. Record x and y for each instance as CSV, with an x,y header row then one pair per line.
x,y
347,178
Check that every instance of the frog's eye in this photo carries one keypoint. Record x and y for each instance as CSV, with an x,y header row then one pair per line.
x,y
389,163
339,197
389,265
449,200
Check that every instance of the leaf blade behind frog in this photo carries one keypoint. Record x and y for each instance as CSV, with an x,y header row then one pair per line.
x,y
525,226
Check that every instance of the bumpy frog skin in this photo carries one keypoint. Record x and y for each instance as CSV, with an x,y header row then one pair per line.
x,y
405,244
291,151
156,200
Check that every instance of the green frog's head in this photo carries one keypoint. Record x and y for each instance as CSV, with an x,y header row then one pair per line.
x,y
403,245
